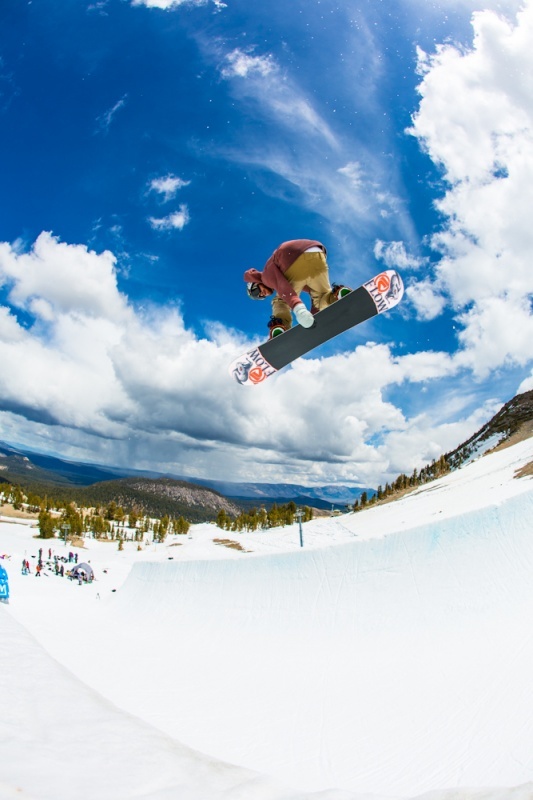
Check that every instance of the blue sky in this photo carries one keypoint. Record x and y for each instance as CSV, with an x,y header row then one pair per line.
x,y
151,151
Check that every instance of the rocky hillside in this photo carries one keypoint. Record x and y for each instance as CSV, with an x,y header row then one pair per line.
x,y
153,496
162,496
513,421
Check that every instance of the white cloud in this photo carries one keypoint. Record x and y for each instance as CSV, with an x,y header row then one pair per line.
x,y
241,64
104,121
175,221
304,160
395,256
426,437
354,172
130,384
98,7
170,5
260,78
497,331
138,387
476,121
10,330
72,278
312,181
526,385
427,301
167,186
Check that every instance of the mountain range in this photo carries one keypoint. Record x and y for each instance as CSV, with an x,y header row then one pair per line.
x,y
22,465
200,499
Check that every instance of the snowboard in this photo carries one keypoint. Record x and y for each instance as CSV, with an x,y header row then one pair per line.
x,y
379,294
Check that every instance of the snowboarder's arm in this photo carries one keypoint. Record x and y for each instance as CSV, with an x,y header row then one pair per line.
x,y
275,279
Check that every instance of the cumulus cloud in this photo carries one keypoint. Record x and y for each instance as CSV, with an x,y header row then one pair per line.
x,y
426,300
174,221
78,357
70,278
167,186
475,120
527,384
137,385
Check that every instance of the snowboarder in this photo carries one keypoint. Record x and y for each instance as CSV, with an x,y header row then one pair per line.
x,y
381,293
296,266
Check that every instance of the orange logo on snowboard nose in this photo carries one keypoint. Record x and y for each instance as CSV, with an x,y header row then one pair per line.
x,y
382,282
256,375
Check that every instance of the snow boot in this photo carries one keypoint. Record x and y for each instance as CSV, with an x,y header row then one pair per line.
x,y
276,327
340,291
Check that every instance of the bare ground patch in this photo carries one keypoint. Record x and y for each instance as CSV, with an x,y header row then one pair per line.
x,y
525,472
525,431
231,544
7,510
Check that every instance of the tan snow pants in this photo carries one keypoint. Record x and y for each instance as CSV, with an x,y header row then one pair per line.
x,y
310,270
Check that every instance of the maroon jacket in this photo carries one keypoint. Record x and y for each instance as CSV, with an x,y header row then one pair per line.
x,y
273,274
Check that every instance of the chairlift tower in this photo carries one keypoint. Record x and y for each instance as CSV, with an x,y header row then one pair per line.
x,y
299,514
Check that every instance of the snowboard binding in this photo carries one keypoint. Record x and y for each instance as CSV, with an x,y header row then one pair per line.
x,y
340,291
276,327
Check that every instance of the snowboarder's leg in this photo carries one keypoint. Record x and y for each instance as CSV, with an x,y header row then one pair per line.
x,y
320,290
323,294
282,311
308,271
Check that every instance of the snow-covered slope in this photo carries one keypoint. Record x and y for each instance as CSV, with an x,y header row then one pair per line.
x,y
390,656
59,739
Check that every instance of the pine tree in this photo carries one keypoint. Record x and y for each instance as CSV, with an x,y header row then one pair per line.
x,y
181,526
74,518
222,519
133,519
17,498
46,525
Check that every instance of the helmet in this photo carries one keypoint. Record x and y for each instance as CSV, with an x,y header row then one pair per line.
x,y
253,291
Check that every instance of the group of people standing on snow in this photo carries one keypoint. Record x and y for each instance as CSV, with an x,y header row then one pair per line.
x,y
55,563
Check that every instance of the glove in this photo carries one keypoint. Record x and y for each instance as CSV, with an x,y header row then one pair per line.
x,y
304,317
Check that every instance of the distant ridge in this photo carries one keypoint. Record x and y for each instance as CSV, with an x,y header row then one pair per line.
x,y
93,486
22,465
513,421
198,500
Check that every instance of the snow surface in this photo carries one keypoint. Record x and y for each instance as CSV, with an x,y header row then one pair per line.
x,y
391,656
